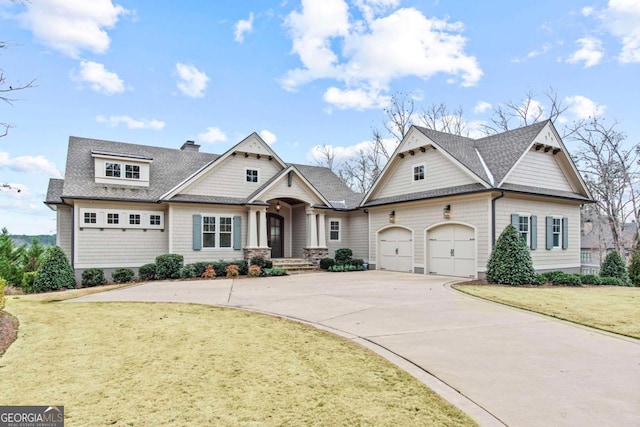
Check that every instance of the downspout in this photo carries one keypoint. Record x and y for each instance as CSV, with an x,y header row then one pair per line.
x,y
493,219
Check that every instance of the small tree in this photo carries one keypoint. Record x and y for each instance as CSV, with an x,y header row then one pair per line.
x,y
10,259
634,265
510,262
614,266
33,256
55,272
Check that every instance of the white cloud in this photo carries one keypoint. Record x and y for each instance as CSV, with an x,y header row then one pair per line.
x,y
29,164
72,26
131,123
374,51
582,107
243,27
212,135
344,153
191,81
590,52
622,19
99,78
481,107
587,11
269,137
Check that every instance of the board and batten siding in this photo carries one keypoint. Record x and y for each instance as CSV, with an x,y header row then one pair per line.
x,y
228,179
113,247
539,169
419,216
181,224
544,259
64,218
440,172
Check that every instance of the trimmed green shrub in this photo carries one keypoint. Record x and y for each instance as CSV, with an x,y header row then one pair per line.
x,y
343,256
93,277
337,268
122,275
634,264
27,282
55,272
591,279
188,271
568,280
614,266
147,271
221,268
243,267
168,266
357,262
611,281
258,260
254,271
275,271
325,263
3,284
553,276
510,261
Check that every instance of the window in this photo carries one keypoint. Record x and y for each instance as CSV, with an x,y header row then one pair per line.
x,y
134,219
113,218
112,169
220,236
585,256
252,175
418,172
132,171
154,220
523,228
209,231
557,232
334,230
89,217
225,232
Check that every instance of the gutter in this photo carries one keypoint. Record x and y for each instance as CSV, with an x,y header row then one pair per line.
x,y
493,218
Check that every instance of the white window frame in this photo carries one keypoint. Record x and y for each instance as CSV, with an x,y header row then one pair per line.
x,y
136,218
113,168
585,256
129,165
554,233
151,219
91,216
217,231
124,220
527,238
339,230
257,175
113,218
413,172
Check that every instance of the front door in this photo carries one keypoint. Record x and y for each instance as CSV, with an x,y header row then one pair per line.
x,y
275,235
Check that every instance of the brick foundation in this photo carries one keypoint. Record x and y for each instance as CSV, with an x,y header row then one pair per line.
x,y
314,255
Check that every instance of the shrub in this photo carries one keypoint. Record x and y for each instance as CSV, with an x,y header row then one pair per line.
x,y
614,266
243,267
55,272
554,276
188,271
357,262
3,284
611,281
255,271
232,270
591,279
258,260
209,272
634,265
336,268
568,280
122,275
343,256
540,279
325,263
93,277
510,261
11,259
221,268
168,266
275,271
147,272
27,282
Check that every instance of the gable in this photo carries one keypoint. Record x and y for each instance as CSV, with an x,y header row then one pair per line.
x,y
255,145
540,169
290,185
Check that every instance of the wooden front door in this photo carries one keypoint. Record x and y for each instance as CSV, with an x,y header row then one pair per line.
x,y
275,235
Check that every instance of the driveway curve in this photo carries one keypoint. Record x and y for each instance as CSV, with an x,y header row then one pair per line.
x,y
502,366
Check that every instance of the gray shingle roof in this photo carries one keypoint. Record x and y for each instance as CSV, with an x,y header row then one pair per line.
x,y
330,186
54,192
544,191
429,194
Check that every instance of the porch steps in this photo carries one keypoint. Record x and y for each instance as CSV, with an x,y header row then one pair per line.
x,y
294,265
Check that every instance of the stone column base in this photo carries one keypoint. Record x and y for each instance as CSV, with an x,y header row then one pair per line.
x,y
254,252
314,255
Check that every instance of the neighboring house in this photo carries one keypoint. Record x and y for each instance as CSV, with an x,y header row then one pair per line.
x,y
596,242
436,208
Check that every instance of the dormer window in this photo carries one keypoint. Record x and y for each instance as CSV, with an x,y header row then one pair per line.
x,y
132,171
112,169
121,169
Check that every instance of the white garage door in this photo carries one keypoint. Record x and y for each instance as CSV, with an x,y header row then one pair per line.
x,y
396,249
452,251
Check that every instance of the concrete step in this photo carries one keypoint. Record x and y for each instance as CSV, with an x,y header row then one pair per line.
x,y
294,265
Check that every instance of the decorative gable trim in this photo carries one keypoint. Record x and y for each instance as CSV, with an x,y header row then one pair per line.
x,y
287,174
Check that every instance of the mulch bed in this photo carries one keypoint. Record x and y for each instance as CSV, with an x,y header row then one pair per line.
x,y
8,331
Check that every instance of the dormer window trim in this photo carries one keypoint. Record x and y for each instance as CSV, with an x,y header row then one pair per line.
x,y
115,170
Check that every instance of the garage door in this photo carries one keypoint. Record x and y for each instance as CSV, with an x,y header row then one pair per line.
x,y
396,249
452,251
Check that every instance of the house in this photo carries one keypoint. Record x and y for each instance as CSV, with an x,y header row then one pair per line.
x,y
436,208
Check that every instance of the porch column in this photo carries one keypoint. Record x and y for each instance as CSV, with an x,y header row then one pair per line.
x,y
252,231
322,238
262,218
312,237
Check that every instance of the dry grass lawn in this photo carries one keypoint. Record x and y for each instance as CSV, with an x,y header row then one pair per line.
x,y
610,308
182,364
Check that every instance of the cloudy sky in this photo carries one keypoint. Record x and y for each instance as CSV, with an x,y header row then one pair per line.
x,y
300,73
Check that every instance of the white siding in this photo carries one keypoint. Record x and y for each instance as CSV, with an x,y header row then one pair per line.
x,y
228,179
418,216
298,190
556,258
181,223
357,234
440,172
64,227
333,245
113,247
539,169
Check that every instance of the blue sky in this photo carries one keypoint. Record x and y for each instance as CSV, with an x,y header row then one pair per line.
x,y
300,73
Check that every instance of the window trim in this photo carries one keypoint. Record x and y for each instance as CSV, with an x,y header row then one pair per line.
x,y
339,231
217,232
413,172
553,231
126,172
102,218
257,175
527,239
122,170
112,166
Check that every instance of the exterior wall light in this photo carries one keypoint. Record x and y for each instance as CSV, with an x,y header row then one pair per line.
x,y
392,217
446,212
278,207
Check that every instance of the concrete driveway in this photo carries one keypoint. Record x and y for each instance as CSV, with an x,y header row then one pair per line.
x,y
502,366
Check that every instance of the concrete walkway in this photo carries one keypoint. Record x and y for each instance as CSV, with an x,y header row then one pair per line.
x,y
500,365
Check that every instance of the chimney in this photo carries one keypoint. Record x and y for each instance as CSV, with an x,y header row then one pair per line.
x,y
190,146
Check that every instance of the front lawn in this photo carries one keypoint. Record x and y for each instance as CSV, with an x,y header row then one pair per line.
x,y
610,308
187,364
